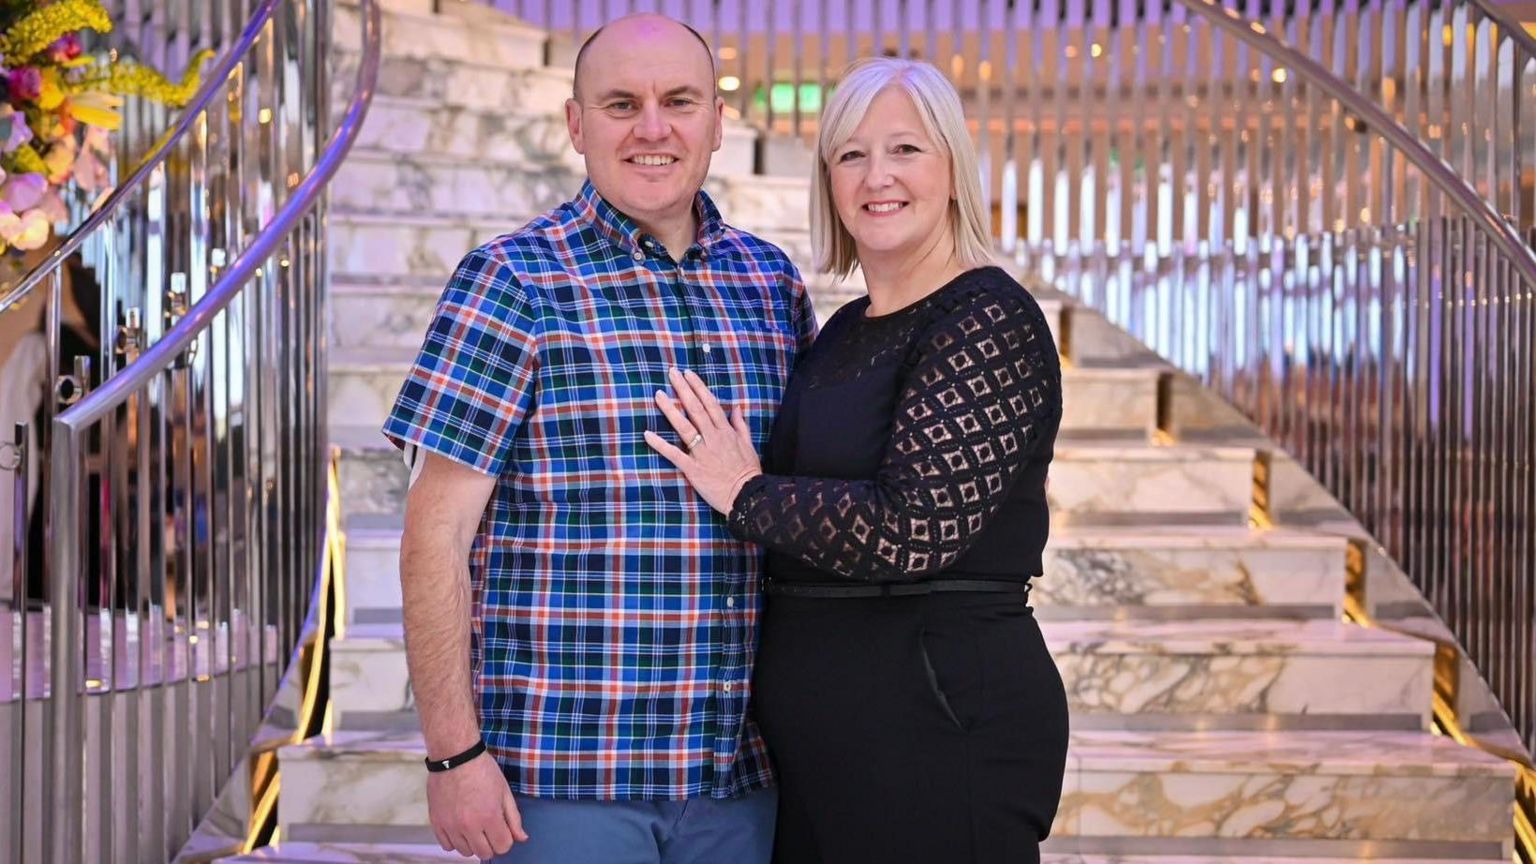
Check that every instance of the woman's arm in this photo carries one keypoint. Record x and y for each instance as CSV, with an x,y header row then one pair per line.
x,y
985,389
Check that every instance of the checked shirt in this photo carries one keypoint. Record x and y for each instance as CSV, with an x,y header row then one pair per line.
x,y
614,615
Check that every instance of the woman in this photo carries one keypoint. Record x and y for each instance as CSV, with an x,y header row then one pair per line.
x,y
902,685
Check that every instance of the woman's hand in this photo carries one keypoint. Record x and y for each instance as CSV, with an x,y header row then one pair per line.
x,y
717,456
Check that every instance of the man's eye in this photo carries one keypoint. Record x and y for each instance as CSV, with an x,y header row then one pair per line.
x,y
622,105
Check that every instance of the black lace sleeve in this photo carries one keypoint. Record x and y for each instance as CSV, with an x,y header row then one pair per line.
x,y
983,390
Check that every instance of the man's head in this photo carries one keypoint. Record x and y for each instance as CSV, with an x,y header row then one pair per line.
x,y
645,115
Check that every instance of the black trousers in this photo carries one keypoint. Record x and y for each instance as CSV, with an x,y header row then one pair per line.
x,y
929,729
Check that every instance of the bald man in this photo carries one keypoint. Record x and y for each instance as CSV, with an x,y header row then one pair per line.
x,y
580,626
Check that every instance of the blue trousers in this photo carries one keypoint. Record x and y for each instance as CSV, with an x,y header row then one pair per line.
x,y
695,831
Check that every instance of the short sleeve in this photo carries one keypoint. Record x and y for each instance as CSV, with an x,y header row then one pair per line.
x,y
473,381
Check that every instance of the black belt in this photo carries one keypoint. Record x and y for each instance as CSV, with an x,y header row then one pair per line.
x,y
894,589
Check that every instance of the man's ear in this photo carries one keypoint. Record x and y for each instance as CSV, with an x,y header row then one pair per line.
x,y
573,124
719,123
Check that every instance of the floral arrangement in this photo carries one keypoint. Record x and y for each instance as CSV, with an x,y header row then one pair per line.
x,y
58,105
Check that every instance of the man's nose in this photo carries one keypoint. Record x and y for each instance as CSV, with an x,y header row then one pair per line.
x,y
650,125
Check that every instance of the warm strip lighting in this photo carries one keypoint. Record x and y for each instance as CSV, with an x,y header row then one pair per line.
x,y
727,53
730,83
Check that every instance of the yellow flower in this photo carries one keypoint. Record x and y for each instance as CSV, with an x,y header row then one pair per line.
x,y
52,94
96,109
132,79
42,27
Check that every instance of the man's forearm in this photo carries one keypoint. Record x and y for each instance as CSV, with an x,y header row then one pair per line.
x,y
434,582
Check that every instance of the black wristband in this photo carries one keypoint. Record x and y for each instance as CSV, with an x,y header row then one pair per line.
x,y
452,762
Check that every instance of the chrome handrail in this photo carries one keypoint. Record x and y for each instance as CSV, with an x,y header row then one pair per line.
x,y
220,468
1435,168
213,83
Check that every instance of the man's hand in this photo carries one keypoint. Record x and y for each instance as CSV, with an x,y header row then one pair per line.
x,y
472,810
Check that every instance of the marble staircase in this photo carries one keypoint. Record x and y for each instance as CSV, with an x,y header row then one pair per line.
x,y
1224,712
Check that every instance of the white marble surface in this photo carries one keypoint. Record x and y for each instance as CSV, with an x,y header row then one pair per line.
x,y
498,41
1226,568
1214,669
1174,482
349,853
1110,400
1316,785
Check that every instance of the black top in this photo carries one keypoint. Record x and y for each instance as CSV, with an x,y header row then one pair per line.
x,y
913,445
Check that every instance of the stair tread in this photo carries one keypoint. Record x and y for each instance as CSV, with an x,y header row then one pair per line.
x,y
1366,752
1189,537
1226,637
1241,637
292,852
409,853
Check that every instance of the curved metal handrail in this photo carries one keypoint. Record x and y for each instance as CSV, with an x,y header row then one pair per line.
x,y
1473,205
159,357
162,150
1512,28
71,428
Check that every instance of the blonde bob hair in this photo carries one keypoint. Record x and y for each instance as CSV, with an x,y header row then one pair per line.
x,y
943,120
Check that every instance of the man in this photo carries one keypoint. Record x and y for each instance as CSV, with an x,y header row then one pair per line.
x,y
567,598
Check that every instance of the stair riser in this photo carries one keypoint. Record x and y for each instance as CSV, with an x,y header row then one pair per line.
x,y
1108,490
1126,406
1078,582
1358,689
1118,405
491,192
449,83
525,129
1112,803
382,248
1081,579
1354,691
442,37
1081,492
339,793
406,185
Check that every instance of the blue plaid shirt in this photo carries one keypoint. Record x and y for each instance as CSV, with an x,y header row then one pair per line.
x,y
614,615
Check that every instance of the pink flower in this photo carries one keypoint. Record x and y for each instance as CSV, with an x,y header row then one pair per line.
x,y
90,173
67,47
26,83
23,191
14,130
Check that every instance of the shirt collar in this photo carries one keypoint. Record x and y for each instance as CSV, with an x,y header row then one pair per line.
x,y
621,231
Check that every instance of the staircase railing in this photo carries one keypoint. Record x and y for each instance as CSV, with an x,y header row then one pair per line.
x,y
1317,209
186,494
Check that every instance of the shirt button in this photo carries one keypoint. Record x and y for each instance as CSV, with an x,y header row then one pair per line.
x,y
638,256
730,602
727,686
707,348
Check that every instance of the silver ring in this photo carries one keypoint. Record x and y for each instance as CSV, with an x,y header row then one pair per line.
x,y
697,440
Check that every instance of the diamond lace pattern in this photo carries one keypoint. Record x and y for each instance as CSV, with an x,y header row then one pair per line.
x,y
982,389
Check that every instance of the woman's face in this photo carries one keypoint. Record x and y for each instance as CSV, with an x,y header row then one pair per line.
x,y
890,182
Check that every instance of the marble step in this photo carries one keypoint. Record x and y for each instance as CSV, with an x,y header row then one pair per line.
x,y
394,313
530,136
1175,675
364,383
1115,485
489,38
1214,674
411,853
1182,572
382,183
1090,574
374,247
1340,794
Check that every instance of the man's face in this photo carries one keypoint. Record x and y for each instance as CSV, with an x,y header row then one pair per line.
x,y
646,118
